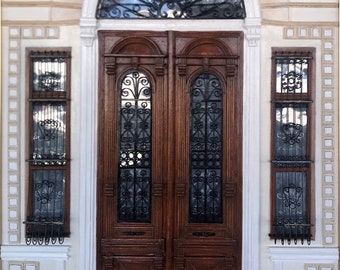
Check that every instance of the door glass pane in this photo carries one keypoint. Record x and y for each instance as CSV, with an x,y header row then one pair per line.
x,y
206,133
134,200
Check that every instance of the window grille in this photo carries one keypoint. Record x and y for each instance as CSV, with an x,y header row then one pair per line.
x,y
292,150
172,9
48,146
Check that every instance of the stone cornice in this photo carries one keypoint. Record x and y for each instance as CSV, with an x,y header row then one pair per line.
x,y
52,4
38,23
297,23
300,5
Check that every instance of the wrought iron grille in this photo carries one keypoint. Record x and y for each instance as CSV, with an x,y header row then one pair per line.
x,y
49,73
206,150
49,133
291,131
292,221
49,147
292,75
47,221
291,155
134,199
171,9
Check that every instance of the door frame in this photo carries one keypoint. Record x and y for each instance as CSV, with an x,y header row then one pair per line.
x,y
88,112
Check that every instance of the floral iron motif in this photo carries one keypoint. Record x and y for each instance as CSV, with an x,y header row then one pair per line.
x,y
171,9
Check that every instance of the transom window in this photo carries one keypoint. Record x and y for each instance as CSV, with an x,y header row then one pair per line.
x,y
173,9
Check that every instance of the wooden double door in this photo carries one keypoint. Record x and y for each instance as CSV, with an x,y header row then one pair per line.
x,y
170,150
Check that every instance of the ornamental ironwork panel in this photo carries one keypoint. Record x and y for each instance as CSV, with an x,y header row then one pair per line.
x,y
134,195
291,132
291,216
292,75
206,150
49,133
47,221
49,73
171,9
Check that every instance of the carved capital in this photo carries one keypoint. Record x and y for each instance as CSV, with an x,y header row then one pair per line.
x,y
109,190
158,189
180,189
231,70
182,70
253,34
110,68
88,31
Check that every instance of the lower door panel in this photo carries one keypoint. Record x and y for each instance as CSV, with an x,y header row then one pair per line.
x,y
133,263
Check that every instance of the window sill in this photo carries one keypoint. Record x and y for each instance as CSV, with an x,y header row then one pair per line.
x,y
20,252
315,254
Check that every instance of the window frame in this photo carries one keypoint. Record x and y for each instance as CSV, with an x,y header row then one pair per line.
x,y
44,97
288,98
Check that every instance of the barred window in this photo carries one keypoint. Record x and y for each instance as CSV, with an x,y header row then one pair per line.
x,y
292,149
48,121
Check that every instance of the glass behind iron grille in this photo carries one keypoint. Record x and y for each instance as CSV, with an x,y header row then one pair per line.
x,y
49,189
49,73
291,132
173,9
292,75
49,133
291,204
134,199
206,133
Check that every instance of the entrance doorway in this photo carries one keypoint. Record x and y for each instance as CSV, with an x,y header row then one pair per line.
x,y
170,150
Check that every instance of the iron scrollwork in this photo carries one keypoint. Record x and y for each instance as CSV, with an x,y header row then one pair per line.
x,y
134,200
291,221
47,225
292,75
171,9
291,133
206,137
49,74
49,135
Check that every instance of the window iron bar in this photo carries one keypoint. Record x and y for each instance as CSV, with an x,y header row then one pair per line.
x,y
293,161
292,57
54,100
47,56
48,162
291,101
44,232
292,231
